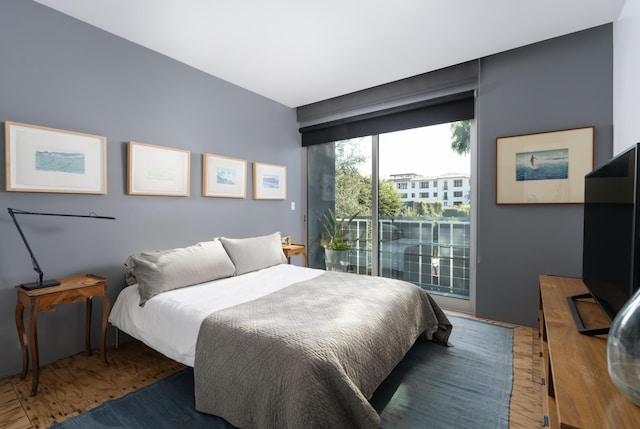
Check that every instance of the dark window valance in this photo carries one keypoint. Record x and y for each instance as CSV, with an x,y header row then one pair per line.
x,y
450,108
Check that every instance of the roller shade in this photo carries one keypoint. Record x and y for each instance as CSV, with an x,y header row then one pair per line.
x,y
444,95
451,108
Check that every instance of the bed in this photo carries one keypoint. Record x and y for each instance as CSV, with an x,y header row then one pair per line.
x,y
272,344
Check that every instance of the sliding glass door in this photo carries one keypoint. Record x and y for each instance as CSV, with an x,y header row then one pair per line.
x,y
411,192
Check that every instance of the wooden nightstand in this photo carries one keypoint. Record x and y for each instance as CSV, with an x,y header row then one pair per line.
x,y
295,249
71,290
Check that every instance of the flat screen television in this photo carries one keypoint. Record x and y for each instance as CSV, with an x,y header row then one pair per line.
x,y
611,252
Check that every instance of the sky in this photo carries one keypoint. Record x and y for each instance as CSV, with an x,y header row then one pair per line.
x,y
425,151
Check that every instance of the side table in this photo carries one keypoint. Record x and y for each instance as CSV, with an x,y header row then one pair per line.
x,y
71,290
295,249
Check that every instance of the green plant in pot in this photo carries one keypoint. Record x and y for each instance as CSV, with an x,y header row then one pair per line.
x,y
336,251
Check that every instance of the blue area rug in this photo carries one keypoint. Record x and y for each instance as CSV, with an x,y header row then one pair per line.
x,y
460,387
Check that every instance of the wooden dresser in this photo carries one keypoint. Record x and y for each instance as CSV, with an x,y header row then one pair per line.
x,y
577,391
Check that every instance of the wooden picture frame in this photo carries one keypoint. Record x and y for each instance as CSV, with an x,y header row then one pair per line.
x,y
223,177
285,240
544,168
269,181
158,170
42,159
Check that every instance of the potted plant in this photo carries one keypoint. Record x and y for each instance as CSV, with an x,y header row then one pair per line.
x,y
336,251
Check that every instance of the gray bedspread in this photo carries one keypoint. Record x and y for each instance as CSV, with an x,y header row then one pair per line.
x,y
311,354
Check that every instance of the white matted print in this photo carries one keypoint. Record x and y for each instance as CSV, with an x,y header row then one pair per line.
x,y
269,181
544,168
158,170
224,177
41,159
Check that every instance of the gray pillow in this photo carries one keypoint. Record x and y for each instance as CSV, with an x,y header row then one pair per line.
x,y
161,271
255,253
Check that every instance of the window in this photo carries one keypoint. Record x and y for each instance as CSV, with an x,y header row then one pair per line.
x,y
457,194
413,239
445,185
457,183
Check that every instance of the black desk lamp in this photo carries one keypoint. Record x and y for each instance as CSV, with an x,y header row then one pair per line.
x,y
36,267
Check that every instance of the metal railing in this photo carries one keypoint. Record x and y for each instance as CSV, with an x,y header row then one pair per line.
x,y
433,253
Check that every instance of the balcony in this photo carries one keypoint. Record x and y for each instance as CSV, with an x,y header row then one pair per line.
x,y
433,253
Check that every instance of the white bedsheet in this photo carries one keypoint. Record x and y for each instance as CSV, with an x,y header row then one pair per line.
x,y
169,322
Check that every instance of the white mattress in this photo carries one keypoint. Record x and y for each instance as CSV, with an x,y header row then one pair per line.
x,y
169,322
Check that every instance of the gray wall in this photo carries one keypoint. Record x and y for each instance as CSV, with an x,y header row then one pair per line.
x,y
61,73
557,84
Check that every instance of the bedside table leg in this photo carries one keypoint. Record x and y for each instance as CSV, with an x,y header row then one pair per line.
x,y
105,321
22,336
33,344
87,329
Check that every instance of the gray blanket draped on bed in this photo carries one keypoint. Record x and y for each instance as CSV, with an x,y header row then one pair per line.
x,y
311,354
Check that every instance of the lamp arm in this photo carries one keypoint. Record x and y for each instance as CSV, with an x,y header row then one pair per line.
x,y
34,261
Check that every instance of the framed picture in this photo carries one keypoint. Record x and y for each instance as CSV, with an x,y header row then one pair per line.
x,y
41,159
269,181
544,168
224,177
286,240
158,170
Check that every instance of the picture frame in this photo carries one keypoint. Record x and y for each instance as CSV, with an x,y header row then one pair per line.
x,y
285,240
223,177
269,181
42,159
158,170
544,168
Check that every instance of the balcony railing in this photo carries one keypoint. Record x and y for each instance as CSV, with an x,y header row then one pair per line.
x,y
433,253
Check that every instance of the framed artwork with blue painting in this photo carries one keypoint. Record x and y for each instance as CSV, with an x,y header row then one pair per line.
x,y
41,159
269,181
544,168
224,177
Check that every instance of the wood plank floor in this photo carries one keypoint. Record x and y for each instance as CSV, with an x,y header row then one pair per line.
x,y
78,383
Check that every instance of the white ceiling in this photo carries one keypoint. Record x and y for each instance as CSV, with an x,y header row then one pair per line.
x,y
298,52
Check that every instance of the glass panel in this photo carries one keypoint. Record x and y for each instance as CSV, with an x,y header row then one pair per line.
x,y
343,172
424,197
427,239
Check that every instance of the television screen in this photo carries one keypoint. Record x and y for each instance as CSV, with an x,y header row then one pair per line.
x,y
610,253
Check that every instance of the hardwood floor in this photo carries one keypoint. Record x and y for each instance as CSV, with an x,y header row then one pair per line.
x,y
78,383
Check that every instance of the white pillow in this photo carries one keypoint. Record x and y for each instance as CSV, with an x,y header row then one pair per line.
x,y
255,253
161,271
